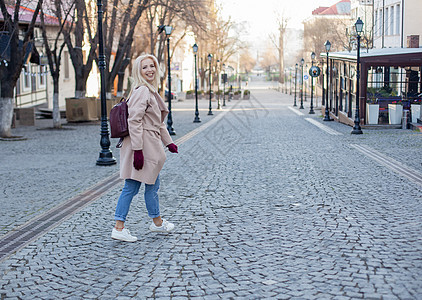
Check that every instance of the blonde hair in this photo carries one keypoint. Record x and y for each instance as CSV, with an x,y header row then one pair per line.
x,y
139,80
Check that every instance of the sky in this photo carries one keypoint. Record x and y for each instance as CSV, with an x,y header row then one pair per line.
x,y
261,17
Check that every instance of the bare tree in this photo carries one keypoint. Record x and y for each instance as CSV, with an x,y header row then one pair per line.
x,y
120,20
218,39
269,58
319,30
75,38
17,50
183,16
282,25
248,61
54,53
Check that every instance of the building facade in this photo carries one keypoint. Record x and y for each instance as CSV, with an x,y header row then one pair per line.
x,y
397,23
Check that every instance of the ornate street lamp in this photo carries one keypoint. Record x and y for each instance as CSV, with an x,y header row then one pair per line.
x,y
168,29
106,157
295,83
290,90
224,85
356,127
311,111
218,84
327,112
197,119
210,108
306,84
302,61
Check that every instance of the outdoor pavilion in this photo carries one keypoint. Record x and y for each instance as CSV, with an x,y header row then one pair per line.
x,y
389,75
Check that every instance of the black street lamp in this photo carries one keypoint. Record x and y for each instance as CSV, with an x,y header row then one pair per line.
x,y
290,90
327,112
168,29
106,157
210,108
295,83
218,84
224,85
356,127
311,111
306,85
197,119
302,61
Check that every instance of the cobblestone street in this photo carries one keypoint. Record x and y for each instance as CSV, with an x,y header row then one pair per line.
x,y
268,201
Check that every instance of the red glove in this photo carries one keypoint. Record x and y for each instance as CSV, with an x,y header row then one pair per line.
x,y
138,159
172,148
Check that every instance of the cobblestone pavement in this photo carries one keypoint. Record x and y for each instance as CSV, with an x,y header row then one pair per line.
x,y
266,205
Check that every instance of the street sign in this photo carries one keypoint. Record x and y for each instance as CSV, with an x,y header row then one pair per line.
x,y
305,77
314,71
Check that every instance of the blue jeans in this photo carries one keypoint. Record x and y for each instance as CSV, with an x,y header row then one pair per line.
x,y
130,190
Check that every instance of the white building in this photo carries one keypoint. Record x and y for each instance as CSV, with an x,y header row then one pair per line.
x,y
396,22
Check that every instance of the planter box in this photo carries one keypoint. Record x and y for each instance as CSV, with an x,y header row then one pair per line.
x,y
25,116
81,109
415,109
372,113
395,113
246,97
109,103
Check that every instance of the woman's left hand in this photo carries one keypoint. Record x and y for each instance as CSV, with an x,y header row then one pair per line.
x,y
172,148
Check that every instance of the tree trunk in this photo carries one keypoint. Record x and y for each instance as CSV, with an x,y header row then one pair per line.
x,y
6,116
56,110
80,87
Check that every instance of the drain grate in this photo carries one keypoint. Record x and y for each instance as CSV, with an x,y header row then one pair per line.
x,y
33,229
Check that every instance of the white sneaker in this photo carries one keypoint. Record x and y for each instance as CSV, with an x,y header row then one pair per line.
x,y
165,227
123,235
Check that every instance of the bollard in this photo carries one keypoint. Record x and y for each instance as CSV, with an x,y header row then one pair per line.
x,y
405,119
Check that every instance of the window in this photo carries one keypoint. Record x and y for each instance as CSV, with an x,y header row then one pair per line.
x,y
386,22
391,26
26,77
33,80
397,19
66,65
42,75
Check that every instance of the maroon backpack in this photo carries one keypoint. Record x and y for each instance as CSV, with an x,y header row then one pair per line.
x,y
118,121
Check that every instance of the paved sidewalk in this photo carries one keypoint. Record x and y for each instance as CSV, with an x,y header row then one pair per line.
x,y
268,204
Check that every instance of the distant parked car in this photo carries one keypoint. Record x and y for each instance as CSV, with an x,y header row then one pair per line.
x,y
173,95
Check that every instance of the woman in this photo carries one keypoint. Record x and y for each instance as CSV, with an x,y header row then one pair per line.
x,y
142,155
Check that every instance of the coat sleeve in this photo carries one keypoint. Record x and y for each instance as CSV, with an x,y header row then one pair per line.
x,y
165,136
137,105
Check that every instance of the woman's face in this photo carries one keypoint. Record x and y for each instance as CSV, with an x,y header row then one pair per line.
x,y
148,70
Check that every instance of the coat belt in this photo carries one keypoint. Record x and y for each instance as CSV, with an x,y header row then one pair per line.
x,y
151,128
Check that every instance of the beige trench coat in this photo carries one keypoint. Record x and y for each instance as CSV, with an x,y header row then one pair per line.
x,y
147,132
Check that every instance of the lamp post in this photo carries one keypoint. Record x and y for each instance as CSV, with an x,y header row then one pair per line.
x,y
295,83
302,61
311,111
197,119
327,112
168,29
106,157
306,84
224,85
356,127
218,84
290,90
210,108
